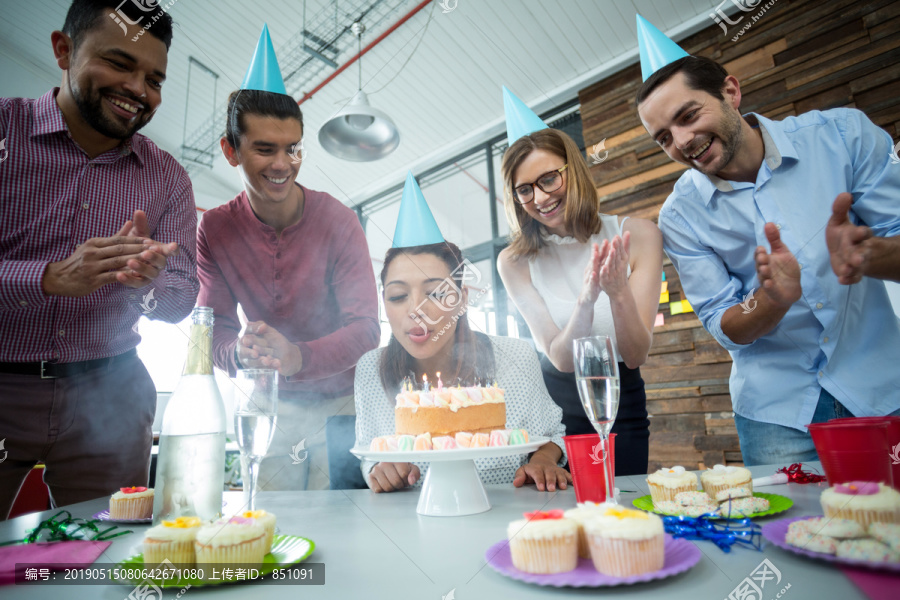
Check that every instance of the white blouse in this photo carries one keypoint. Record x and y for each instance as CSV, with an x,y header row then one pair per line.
x,y
557,273
528,407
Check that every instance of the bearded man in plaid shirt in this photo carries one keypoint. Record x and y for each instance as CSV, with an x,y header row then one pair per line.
x,y
98,228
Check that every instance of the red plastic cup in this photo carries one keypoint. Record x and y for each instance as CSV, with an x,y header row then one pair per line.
x,y
585,454
893,439
853,451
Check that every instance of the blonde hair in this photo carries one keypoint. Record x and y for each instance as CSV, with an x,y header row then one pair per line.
x,y
582,203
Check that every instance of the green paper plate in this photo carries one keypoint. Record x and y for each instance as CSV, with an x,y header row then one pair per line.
x,y
287,550
777,504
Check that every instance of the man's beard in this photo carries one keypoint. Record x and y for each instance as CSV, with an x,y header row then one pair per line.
x,y
90,106
730,137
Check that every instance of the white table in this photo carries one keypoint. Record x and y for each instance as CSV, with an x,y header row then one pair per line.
x,y
376,546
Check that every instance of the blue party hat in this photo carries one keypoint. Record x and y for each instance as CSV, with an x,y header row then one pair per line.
x,y
264,74
520,120
415,225
656,49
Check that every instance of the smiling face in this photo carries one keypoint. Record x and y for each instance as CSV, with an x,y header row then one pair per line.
x,y
419,303
693,127
265,158
547,209
114,83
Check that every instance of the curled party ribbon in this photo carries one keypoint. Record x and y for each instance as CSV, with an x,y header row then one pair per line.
x,y
741,531
63,527
796,474
540,515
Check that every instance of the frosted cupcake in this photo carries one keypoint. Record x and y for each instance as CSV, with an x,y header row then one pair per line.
x,y
720,478
626,542
267,520
172,541
863,501
236,541
131,503
543,542
665,484
581,513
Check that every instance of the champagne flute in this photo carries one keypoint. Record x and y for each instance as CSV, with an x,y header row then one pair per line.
x,y
597,377
255,413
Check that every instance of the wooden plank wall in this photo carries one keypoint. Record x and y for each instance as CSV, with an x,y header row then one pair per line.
x,y
800,55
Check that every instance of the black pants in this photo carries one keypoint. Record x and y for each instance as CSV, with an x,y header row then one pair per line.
x,y
632,428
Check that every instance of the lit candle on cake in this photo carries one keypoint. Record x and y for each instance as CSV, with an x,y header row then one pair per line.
x,y
440,383
424,382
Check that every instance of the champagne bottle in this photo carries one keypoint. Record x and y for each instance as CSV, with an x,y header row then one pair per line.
x,y
190,473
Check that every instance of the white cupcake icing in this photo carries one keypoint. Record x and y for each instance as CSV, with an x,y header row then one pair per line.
x,y
541,529
180,530
583,511
722,475
626,524
675,477
120,495
230,532
886,499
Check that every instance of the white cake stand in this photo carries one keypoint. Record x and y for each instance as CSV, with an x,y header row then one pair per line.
x,y
452,487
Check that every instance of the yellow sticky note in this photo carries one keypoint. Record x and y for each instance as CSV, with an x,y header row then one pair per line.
x,y
664,288
675,308
686,307
664,297
660,320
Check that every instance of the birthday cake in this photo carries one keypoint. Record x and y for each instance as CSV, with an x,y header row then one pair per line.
x,y
447,411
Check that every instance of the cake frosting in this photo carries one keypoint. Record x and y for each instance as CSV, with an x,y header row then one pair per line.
x,y
447,411
675,477
462,439
624,523
132,493
180,530
721,475
861,495
227,532
542,525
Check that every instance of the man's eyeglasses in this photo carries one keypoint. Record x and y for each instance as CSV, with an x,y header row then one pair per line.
x,y
549,182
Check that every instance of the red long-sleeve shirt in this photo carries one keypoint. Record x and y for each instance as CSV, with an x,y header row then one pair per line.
x,y
314,284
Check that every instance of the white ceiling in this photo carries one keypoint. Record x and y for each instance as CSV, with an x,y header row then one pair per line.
x,y
441,85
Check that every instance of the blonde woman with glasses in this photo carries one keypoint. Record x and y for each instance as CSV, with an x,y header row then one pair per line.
x,y
573,272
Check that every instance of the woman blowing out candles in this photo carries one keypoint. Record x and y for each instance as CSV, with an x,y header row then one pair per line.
x,y
425,302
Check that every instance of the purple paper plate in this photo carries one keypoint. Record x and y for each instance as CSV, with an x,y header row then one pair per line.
x,y
103,515
680,555
776,531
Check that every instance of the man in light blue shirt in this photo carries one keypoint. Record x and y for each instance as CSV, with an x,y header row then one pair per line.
x,y
808,322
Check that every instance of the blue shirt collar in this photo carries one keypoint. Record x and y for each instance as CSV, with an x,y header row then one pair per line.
x,y
778,148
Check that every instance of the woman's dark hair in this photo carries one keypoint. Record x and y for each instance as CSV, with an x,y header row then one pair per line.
x,y
473,356
84,15
700,74
256,102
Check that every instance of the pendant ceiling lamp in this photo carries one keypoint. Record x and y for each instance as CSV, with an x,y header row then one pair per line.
x,y
359,132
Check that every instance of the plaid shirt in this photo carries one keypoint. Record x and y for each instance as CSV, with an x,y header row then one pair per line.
x,y
53,197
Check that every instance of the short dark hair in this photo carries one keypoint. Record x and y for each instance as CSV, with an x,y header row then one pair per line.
x,y
84,15
700,74
256,102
